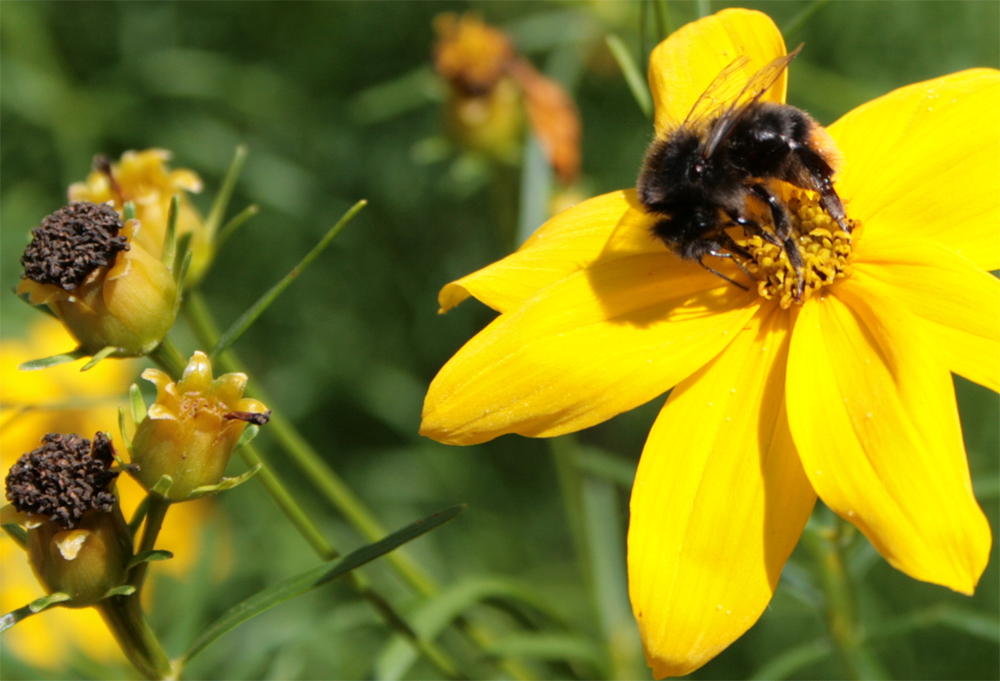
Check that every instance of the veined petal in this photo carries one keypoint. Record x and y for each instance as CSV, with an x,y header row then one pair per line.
x,y
565,244
924,160
959,302
873,415
683,65
595,344
718,504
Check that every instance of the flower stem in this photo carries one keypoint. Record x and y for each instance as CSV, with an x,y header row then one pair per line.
x,y
169,359
124,618
156,511
826,543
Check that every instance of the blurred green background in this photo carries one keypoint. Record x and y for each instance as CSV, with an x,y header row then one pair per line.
x,y
337,101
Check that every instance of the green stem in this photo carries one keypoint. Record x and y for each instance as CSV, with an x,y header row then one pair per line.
x,y
169,359
826,544
124,618
156,511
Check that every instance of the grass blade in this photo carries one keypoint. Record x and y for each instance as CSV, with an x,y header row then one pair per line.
x,y
319,575
633,77
245,320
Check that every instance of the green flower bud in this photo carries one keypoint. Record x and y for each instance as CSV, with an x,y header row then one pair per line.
x,y
191,430
77,539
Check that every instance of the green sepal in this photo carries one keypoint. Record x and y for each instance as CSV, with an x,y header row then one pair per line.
x,y
123,590
27,299
221,203
235,223
170,237
128,211
311,579
224,484
136,404
54,360
40,604
98,357
126,438
249,433
149,557
181,273
163,485
178,266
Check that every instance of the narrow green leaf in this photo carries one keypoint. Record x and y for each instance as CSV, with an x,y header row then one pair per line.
x,y
319,575
17,533
663,18
36,606
438,612
170,237
250,316
224,484
234,224
633,77
221,203
136,404
46,362
182,271
123,590
149,557
126,437
970,622
549,647
128,211
99,357
249,433
787,663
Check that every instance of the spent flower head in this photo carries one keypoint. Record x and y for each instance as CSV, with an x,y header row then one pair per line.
x,y
843,392
191,430
88,268
77,540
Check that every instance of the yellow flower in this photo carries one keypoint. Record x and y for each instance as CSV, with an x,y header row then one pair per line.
x,y
144,179
191,430
847,396
90,270
63,400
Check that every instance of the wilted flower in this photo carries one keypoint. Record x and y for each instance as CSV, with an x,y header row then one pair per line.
x,y
144,179
108,290
843,392
77,539
191,430
491,86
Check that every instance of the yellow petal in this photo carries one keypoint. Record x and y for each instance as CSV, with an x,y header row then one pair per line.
x,y
873,415
683,65
565,244
718,504
959,302
924,160
595,344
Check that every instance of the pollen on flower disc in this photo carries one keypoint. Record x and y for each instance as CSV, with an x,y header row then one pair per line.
x,y
73,242
64,478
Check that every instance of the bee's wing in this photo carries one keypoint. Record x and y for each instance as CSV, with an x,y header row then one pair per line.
x,y
724,88
755,88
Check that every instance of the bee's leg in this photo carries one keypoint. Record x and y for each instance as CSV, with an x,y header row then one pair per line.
x,y
822,175
727,242
722,254
752,227
783,230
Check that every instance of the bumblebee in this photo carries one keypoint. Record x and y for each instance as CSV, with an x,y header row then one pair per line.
x,y
699,179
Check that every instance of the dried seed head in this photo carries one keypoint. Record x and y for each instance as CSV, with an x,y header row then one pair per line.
x,y
64,478
73,242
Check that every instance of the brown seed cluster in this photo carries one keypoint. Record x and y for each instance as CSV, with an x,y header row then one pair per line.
x,y
64,478
73,242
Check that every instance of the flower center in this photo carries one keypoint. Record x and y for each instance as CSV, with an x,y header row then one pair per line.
x,y
825,249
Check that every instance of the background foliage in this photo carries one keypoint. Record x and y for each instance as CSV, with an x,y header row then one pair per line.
x,y
349,350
